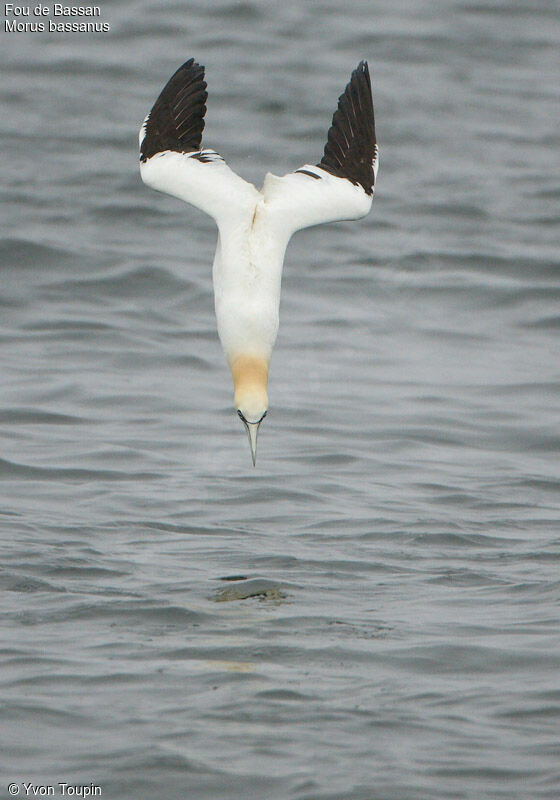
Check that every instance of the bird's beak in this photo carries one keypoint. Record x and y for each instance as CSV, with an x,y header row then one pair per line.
x,y
252,431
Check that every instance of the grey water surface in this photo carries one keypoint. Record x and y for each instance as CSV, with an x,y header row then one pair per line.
x,y
373,612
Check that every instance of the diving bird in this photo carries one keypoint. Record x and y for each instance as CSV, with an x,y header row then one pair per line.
x,y
254,227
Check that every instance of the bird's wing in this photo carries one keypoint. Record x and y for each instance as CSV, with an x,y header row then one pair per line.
x,y
171,156
341,186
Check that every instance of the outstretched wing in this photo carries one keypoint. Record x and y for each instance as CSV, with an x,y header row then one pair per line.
x,y
171,156
341,186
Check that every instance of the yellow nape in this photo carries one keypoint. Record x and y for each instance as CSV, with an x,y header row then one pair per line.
x,y
250,379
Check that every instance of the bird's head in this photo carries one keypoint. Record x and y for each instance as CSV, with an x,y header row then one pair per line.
x,y
250,379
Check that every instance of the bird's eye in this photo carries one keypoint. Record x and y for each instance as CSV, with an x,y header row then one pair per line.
x,y
242,417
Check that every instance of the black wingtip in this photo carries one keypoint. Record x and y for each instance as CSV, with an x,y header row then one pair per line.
x,y
351,146
176,120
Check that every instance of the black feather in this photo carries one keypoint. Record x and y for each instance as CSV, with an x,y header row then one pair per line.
x,y
176,121
351,146
307,172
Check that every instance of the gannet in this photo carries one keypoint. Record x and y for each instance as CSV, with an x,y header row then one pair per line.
x,y
254,227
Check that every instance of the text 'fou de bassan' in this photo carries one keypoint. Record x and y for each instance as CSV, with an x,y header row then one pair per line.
x,y
18,22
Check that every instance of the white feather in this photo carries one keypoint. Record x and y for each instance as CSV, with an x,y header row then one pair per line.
x,y
298,201
209,185
254,231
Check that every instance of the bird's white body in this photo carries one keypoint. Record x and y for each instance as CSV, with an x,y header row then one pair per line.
x,y
254,227
247,275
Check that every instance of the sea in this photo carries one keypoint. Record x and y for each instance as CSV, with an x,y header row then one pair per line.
x,y
373,611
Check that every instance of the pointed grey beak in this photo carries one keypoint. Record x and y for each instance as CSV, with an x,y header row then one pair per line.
x,y
252,429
